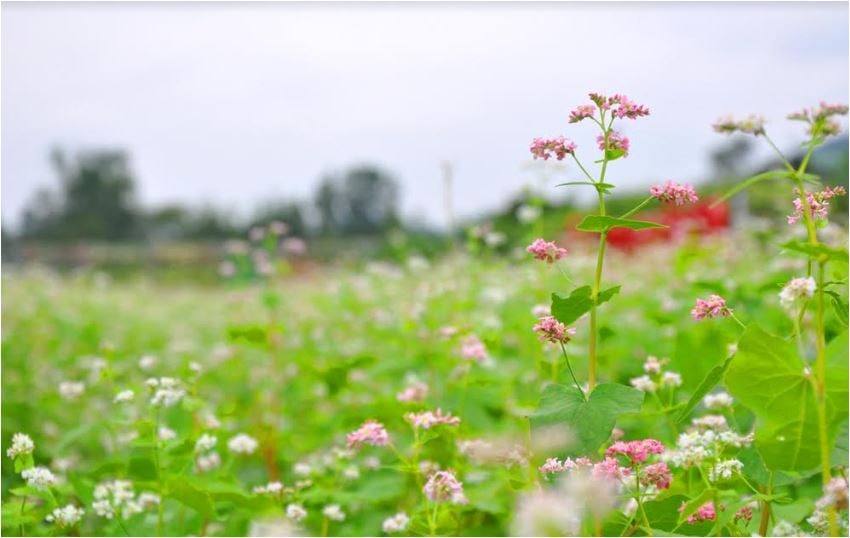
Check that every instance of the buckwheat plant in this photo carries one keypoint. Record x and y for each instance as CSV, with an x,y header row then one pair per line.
x,y
817,372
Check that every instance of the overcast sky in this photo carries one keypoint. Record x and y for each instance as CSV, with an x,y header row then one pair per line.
x,y
232,104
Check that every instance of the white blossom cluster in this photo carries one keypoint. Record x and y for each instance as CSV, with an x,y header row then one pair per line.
x,y
719,400
21,446
71,390
396,523
38,477
695,447
242,444
724,470
124,396
296,512
272,488
795,290
333,512
67,516
166,391
117,497
655,376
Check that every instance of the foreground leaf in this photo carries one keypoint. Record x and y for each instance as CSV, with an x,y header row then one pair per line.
x,y
600,223
569,309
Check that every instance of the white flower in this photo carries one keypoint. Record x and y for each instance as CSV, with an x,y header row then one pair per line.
x,y
147,362
295,512
351,473
38,477
242,444
148,500
797,288
302,469
785,528
541,311
196,368
207,462
724,470
671,379
643,383
103,508
717,401
272,488
527,213
371,463
205,442
67,516
21,445
333,512
396,523
653,365
117,496
166,434
124,396
71,390
711,422
167,391
211,422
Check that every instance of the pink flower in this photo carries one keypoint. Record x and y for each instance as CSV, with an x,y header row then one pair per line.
x,y
818,204
473,349
610,468
713,307
827,109
745,513
658,475
616,141
370,433
443,486
636,451
546,148
428,419
552,466
546,251
675,193
551,330
628,109
704,513
416,392
581,112
751,125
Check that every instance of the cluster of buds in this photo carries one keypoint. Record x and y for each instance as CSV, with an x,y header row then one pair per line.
x,y
443,486
620,105
819,118
796,291
705,512
546,251
616,141
713,307
370,433
429,419
472,348
674,193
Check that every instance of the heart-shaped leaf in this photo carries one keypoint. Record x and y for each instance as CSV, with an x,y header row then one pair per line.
x,y
568,309
601,223
591,420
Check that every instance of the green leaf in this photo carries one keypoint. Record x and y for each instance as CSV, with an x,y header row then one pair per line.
x,y
569,309
605,187
819,252
750,181
663,513
713,378
840,309
601,223
614,154
187,493
769,377
592,420
23,461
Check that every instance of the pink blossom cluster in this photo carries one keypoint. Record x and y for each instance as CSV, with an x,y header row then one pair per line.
x,y
751,125
581,112
705,512
744,513
607,468
413,393
713,307
546,148
636,451
658,475
550,329
835,494
473,349
443,486
626,108
546,251
671,192
825,110
428,419
370,433
616,141
818,204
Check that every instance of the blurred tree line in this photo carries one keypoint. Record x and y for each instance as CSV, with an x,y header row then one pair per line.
x,y
95,200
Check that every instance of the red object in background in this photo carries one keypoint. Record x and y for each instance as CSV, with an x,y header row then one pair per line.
x,y
700,218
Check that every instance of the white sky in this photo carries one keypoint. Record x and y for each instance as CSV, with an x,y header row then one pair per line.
x,y
233,104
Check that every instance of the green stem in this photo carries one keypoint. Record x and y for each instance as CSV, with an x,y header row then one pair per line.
x,y
587,175
23,506
640,504
738,321
325,525
780,154
765,507
637,208
121,523
161,505
570,368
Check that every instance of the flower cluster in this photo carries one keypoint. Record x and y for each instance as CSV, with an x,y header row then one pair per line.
x,y
472,348
370,433
428,419
620,105
116,497
333,512
819,118
443,486
675,193
797,289
636,451
724,470
705,512
818,204
67,516
242,444
655,377
581,112
751,125
550,329
702,444
616,141
38,477
546,148
718,400
415,392
395,524
546,251
295,512
22,445
713,307
166,391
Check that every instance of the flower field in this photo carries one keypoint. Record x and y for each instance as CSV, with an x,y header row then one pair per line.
x,y
690,387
